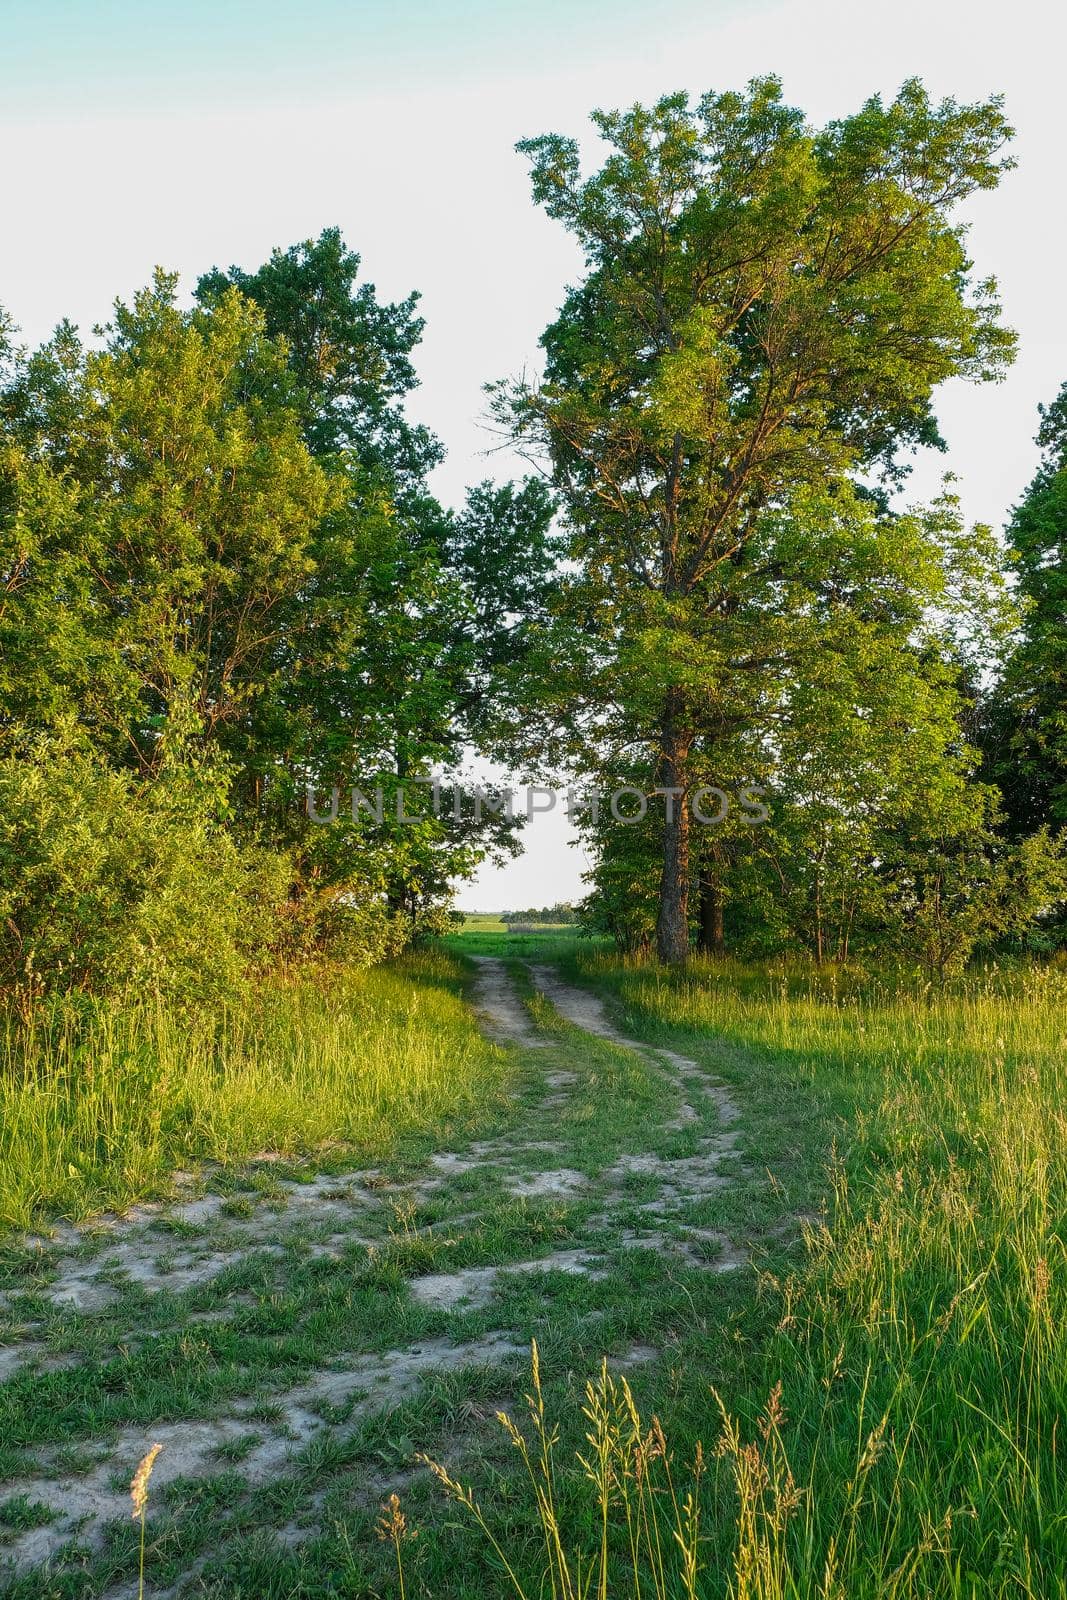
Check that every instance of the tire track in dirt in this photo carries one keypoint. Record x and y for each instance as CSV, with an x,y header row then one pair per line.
x,y
681,1178
587,1011
504,1015
342,1210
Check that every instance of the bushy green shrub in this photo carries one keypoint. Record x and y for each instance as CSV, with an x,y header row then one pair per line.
x,y
351,923
108,885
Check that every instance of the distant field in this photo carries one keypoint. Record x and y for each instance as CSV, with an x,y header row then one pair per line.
x,y
486,934
493,922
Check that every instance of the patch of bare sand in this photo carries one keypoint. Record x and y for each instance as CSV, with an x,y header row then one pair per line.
x,y
506,1018
87,1502
136,1249
472,1287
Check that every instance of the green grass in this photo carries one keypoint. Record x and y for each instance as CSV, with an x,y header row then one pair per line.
x,y
922,1347
491,937
493,922
99,1105
483,922
917,1331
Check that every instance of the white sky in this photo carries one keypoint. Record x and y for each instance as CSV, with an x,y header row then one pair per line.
x,y
112,168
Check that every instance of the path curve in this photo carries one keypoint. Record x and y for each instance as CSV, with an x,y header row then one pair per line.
x,y
342,1207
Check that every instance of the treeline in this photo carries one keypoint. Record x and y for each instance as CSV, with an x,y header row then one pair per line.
x,y
225,580
226,583
559,915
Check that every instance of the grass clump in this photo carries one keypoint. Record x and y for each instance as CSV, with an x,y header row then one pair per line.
x,y
100,1101
645,1530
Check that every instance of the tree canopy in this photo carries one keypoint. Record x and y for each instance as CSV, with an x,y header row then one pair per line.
x,y
228,585
766,311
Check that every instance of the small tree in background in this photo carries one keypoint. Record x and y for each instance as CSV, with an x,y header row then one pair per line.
x,y
1026,718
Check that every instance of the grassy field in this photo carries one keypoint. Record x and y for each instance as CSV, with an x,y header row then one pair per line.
x,y
921,1348
100,1104
483,935
483,922
844,1307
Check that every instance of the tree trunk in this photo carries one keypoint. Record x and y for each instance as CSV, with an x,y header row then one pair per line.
x,y
672,923
820,858
712,939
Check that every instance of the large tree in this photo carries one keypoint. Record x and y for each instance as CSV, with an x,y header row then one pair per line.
x,y
766,311
216,531
397,649
850,723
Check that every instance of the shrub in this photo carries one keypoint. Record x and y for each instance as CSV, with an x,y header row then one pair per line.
x,y
349,922
108,885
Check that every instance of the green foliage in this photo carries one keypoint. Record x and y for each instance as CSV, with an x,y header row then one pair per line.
x,y
215,534
955,884
110,883
348,354
765,314
1026,728
160,491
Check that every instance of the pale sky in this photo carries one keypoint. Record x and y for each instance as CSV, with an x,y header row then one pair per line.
x,y
203,133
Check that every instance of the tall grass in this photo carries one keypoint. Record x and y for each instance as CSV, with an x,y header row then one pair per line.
x,y
925,1340
100,1103
917,1371
647,1525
